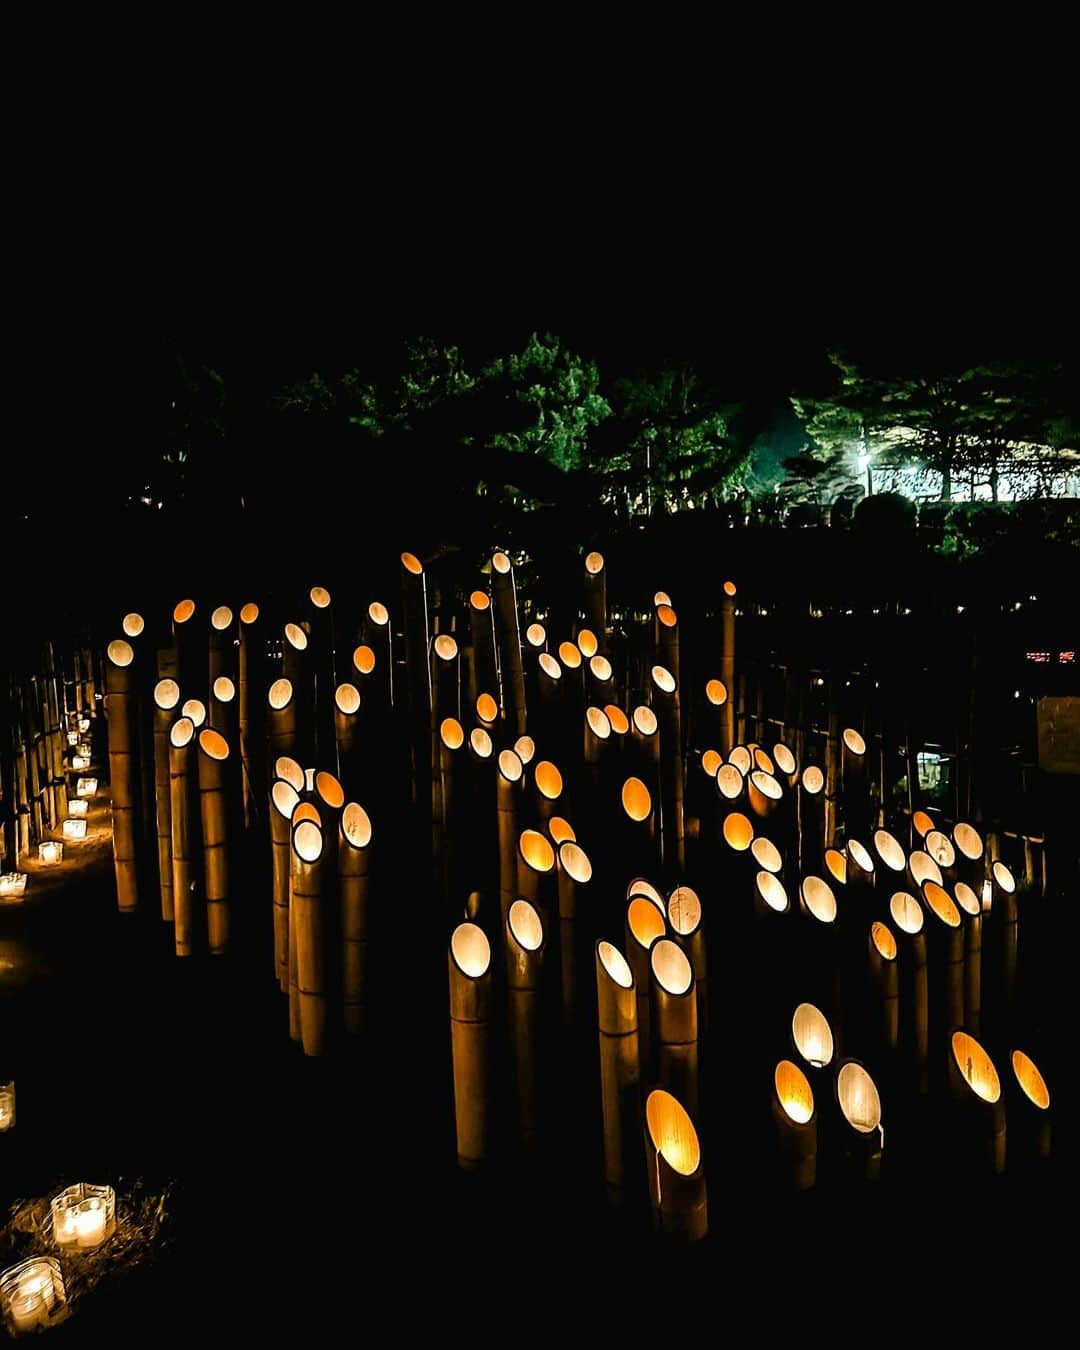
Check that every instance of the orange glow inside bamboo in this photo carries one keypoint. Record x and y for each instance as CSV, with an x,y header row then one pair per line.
x,y
620,723
597,721
471,950
308,841
858,1098
906,912
763,761
121,653
940,903
645,921
574,861
285,798
535,635
812,1035
212,743
249,613
451,733
587,643
570,655
729,782
643,886
288,769
1003,878
711,761
635,799
738,832
766,784
670,966
968,840
793,1092
500,562
771,890
729,588
510,766
445,647
889,850
922,824
836,864
347,698
525,748
525,926
940,848
1031,1081
966,898
296,637
976,1066
480,600
785,759
716,693
166,695
883,940
196,710
356,825
561,831
412,563
183,611
224,689
181,732
667,616
133,624
378,613
330,790
480,743
537,851
615,964
924,868
644,720
854,742
594,563
486,708
319,596
221,618
600,667
663,679
672,1133
813,780
364,659
742,759
858,854
306,811
548,780
819,899
280,694
684,910
766,854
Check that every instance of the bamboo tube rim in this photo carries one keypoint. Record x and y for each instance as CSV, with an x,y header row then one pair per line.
x,y
906,913
561,831
766,784
940,848
166,695
575,862
766,854
501,563
670,967
968,840
636,801
976,1067
813,780
536,851
121,653
729,782
196,710
922,823
224,689
738,832
347,699
672,1133
620,723
451,733
812,1035
378,613
363,658
644,720
889,850
818,897
480,743
771,889
1030,1080
356,827
570,655
645,922
861,855
470,950
716,693
642,886
296,637
536,635
213,744
741,758
784,757
446,647
884,942
854,742
133,624
412,563
587,644
924,868
615,965
858,1097
667,616
181,733
306,811
1003,878
793,1092
486,708
966,898
661,598
280,695
283,795
249,613
940,903
663,679
307,841
319,597
600,668
763,763
729,588
525,748
183,611
548,780
510,766
480,600
221,618
330,790
526,926
684,911
550,666
286,767
598,721
594,563
711,761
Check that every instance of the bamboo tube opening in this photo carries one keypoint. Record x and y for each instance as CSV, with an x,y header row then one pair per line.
x,y
570,655
445,647
525,748
221,618
645,921
922,824
480,743
451,733
883,940
550,666
600,667
224,689
663,679
525,926
500,562
510,767
598,722
673,971
561,831
924,868
966,898
940,849
166,695
837,865
537,851
412,563
812,1035
940,903
1003,878
636,801
615,965
742,759
763,761
716,693
378,613
793,1092
620,723
470,950
766,784
684,910
661,598
330,790
296,637
196,710
548,779
285,798
854,741
249,613
212,743
319,597
906,913
183,611
644,720
347,699
308,841
280,696
771,890
587,643
307,811
818,898
729,781
290,771
121,653
862,858
889,850
356,826
729,588
766,854
858,1098
976,1066
181,732
480,600
667,616
536,635
738,832
364,659
1032,1083
813,780
711,761
594,563
574,861
486,708
784,757
968,840
641,886
133,624
672,1133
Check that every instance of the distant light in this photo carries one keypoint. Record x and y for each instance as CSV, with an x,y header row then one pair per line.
x,y
959,609
1016,693
1018,604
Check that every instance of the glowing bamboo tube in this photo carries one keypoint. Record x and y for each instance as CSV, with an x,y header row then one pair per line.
x,y
685,915
281,705
251,712
483,669
727,666
469,961
665,691
860,1106
284,800
574,871
945,961
549,698
620,1072
620,724
223,713
639,825
675,1169
166,697
921,825
599,680
190,644
446,701
859,870
525,749
308,929
1030,1128
120,711
347,732
854,782
812,1036
811,817
970,854
970,905
645,925
451,739
787,766
908,921
821,943
666,639
222,645
214,814
712,720
536,871
509,640
418,675
587,643
981,1113
548,782
796,1121
644,747
524,941
921,867
354,864
644,887
507,789
184,822
378,638
763,792
674,1020
487,712
597,739
536,637
596,596
885,978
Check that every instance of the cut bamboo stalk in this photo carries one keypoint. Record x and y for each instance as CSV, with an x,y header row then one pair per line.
x,y
507,791
645,925
509,640
548,782
860,1108
727,666
214,815
354,865
855,783
190,644
976,1091
596,596
166,697
284,800
885,983
795,1115
536,872
573,872
908,920
483,667
251,680
309,930
469,960
184,820
811,816
639,832
666,640
524,942
417,630
620,1073
970,905
1030,1123
451,739
970,854
222,659
347,732
599,680
665,691
675,1169
674,1021
120,710
379,639
281,707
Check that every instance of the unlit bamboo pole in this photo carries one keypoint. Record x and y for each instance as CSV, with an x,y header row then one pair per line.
x,y
120,710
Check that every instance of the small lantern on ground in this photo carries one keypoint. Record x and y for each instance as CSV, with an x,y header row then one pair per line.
x,y
32,1295
78,809
7,1106
12,885
74,829
83,1216
86,787
50,851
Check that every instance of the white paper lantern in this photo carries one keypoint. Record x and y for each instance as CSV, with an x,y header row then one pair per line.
x,y
74,829
86,787
12,885
78,808
50,851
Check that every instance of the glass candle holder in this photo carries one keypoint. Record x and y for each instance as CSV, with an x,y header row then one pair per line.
x,y
7,1106
83,1216
78,808
73,738
86,787
12,885
50,851
80,761
86,749
84,724
74,829
32,1295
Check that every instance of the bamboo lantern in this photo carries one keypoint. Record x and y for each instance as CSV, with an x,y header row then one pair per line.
x,y
379,640
166,697
320,626
223,711
574,871
525,749
730,786
548,782
639,825
675,1169
921,825
666,693
560,831
483,669
644,748
470,1000
736,836
969,904
354,862
596,595
645,925
939,847
487,712
684,915
133,625
763,793
742,759
860,1106
620,724
642,886
196,710
289,769
854,781
281,703
249,707
765,853
796,1122
597,739
7,1106
572,687
549,697
1003,931
921,868
191,664
347,731
1030,1130
970,854
1003,892
524,934
587,643
981,1112
446,699
770,897
451,739
674,1020
820,940
727,666
284,800
536,637
509,640
184,821
716,696
908,919
222,647
600,679
214,814
417,642
83,1216
620,1072
120,711
536,871
666,639
945,961
32,1295
787,767
811,817
884,975
308,929
858,870
507,789
812,1036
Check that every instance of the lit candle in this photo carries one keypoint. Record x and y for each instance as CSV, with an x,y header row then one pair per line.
x,y
73,738
78,808
90,1221
51,851
74,829
12,883
80,761
33,1299
86,787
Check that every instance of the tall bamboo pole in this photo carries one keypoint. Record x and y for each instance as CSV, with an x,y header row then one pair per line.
x,y
620,1072
354,864
214,815
120,710
166,698
483,667
666,696
675,1170
281,708
509,640
674,1021
469,961
596,597
252,713
415,600
507,791
184,821
284,799
727,666
309,932
524,941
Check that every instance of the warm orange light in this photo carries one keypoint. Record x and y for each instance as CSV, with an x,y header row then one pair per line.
x,y
600,667
858,1097
486,708
793,1092
924,868
966,898
861,857
296,637
771,890
644,720
716,693
813,780
569,655
356,825
308,841
221,618
663,679
615,964
711,761
766,784
535,635
320,597
940,848
661,598
281,692
812,1035
766,854
636,800
560,831
445,647
764,762
121,653
667,616
671,968
738,832
536,851
471,950
785,760
133,624
889,850
939,902
364,660
412,563
480,600
645,921
729,588
643,886
729,782
742,759
883,940
598,722
287,768
976,1066
378,613
501,563
587,643
166,695
620,723
1003,878
672,1133
837,866
906,912
574,861
922,823
224,689
525,748
347,698
249,613
550,666
594,563
306,811
548,780
1031,1081
196,710
329,790
285,799
968,840
480,743
181,732
183,611
854,741
510,766
212,743
525,926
